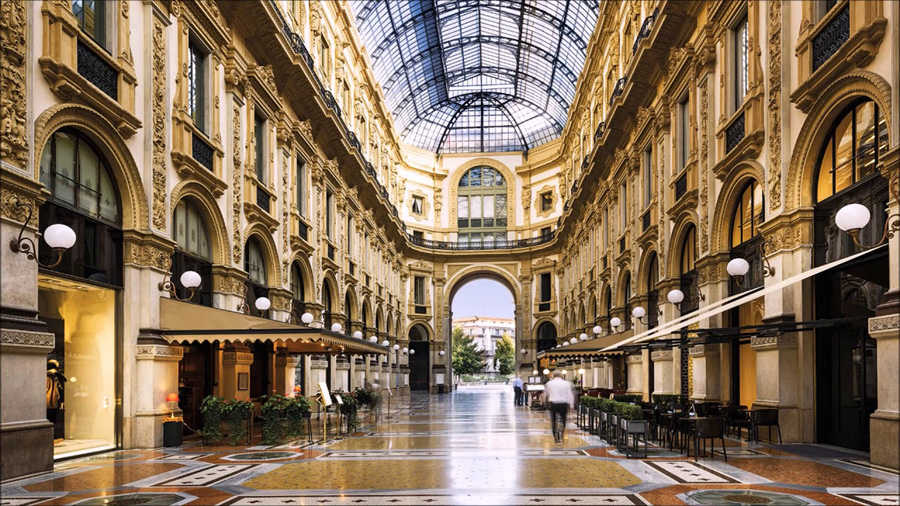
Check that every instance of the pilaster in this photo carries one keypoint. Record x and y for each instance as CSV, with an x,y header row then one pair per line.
x,y
706,372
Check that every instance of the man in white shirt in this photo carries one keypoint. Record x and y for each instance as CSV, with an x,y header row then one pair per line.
x,y
517,389
560,398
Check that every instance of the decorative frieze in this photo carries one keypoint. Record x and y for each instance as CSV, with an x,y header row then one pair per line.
x,y
158,352
159,125
13,105
40,342
703,350
236,191
661,355
888,324
773,178
776,341
237,357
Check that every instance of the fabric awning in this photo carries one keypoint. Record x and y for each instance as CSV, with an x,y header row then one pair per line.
x,y
183,321
733,302
583,348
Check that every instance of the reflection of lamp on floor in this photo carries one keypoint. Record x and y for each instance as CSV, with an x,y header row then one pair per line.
x,y
172,430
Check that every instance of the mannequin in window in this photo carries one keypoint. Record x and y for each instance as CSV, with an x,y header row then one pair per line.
x,y
55,399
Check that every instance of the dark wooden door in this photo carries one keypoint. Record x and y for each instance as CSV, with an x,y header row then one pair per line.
x,y
419,366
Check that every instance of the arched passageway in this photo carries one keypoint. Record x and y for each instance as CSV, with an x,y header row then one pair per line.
x,y
419,360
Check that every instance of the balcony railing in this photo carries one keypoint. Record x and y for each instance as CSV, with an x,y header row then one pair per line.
x,y
831,37
617,90
202,151
681,186
97,71
584,162
646,28
496,245
734,133
601,129
263,200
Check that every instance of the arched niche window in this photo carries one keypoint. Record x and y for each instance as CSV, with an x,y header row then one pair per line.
x,y
192,251
326,305
298,292
688,270
609,303
482,207
83,196
257,280
546,335
347,309
652,292
853,149
626,296
365,315
746,218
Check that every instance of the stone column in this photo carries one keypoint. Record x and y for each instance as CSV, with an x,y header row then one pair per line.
x,y
884,425
236,359
375,370
706,372
360,371
340,378
777,378
157,368
285,365
404,380
662,372
318,365
635,374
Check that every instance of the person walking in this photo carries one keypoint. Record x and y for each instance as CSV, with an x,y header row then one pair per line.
x,y
560,398
517,390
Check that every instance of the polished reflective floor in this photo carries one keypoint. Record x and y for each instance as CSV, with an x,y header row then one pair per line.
x,y
470,447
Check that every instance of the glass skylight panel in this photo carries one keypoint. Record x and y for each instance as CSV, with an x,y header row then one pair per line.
x,y
513,81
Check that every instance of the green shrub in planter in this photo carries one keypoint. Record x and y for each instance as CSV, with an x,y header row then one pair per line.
x,y
232,414
627,398
283,417
629,411
607,405
667,399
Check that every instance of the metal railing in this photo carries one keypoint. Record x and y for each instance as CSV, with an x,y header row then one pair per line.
x,y
646,28
469,246
831,38
617,90
201,151
97,71
735,133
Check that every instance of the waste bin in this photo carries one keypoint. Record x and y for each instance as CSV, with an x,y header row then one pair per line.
x,y
173,433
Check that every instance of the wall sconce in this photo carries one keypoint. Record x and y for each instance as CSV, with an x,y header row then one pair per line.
x,y
262,304
441,353
639,313
358,335
614,323
373,339
336,328
189,279
546,372
738,267
573,340
676,296
597,330
396,347
852,218
385,343
58,236
583,336
412,352
534,372
405,350
565,343
524,352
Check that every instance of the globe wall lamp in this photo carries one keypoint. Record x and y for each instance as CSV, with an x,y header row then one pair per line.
x,y
306,318
565,343
639,313
441,353
597,330
583,336
385,343
412,352
546,372
524,352
405,350
262,304
534,372
373,339
58,236
189,279
573,340
358,335
614,323
676,296
336,328
739,267
852,218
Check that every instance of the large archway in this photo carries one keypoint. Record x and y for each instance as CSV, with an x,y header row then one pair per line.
x,y
482,306
419,359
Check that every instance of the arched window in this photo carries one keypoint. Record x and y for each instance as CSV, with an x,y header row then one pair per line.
x,y
192,251
652,292
546,335
298,292
481,206
255,265
326,304
748,214
347,309
83,196
626,295
852,150
688,271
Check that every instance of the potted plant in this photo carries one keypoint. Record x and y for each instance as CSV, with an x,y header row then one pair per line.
x,y
633,425
283,417
232,415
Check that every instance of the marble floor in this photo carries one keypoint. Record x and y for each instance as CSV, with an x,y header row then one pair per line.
x,y
470,447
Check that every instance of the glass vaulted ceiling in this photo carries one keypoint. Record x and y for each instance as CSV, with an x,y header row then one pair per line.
x,y
465,76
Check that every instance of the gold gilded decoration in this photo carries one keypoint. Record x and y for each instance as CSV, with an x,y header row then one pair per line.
x,y
159,125
773,180
13,104
236,184
9,209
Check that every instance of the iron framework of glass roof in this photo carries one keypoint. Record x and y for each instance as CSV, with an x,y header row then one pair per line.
x,y
464,76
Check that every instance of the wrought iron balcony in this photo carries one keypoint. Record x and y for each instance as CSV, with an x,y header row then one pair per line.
x,y
263,200
585,162
201,151
734,133
601,129
97,71
617,90
681,186
496,245
353,140
831,37
646,28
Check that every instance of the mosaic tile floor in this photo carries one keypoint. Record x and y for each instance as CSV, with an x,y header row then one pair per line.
x,y
471,447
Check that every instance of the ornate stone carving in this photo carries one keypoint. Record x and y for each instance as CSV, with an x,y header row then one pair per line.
x,y
236,248
883,323
773,179
703,166
13,104
267,76
159,125
285,220
26,338
148,254
779,341
158,352
8,208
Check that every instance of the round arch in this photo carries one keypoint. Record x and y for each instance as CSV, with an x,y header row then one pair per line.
x,y
379,318
546,333
328,279
682,225
423,332
269,251
646,259
625,278
388,325
508,174
592,308
128,180
581,318
472,272
830,104
366,313
206,203
728,199
309,282
351,306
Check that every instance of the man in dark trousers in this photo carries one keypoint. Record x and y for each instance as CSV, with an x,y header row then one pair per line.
x,y
517,390
560,398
